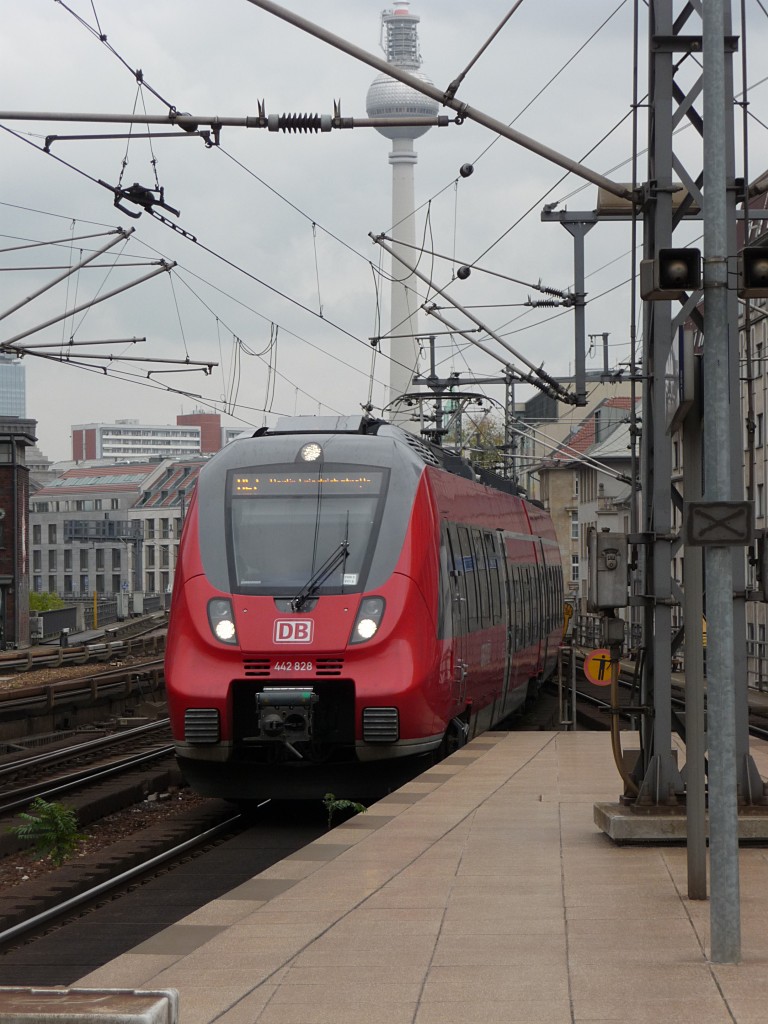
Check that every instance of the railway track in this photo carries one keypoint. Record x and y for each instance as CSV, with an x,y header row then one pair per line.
x,y
55,772
53,935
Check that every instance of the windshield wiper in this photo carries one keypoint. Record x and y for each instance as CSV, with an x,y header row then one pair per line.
x,y
315,581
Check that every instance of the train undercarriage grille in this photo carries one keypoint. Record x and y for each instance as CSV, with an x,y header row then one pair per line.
x,y
329,666
201,725
381,725
261,668
256,667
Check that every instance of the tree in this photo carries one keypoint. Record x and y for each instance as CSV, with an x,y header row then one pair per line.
x,y
484,440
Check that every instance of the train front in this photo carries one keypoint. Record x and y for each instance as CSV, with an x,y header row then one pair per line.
x,y
302,654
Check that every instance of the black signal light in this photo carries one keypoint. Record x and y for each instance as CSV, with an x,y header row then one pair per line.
x,y
753,272
673,273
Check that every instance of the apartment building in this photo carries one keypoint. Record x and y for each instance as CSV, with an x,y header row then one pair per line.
x,y
107,528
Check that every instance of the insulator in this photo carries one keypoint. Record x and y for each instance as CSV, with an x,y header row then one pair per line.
x,y
546,303
299,123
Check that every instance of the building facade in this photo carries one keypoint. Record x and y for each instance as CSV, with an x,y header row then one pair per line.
x,y
105,529
13,389
16,436
130,440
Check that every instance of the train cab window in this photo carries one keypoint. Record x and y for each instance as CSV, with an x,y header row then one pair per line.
x,y
286,524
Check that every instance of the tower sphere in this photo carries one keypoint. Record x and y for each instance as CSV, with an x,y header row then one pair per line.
x,y
389,98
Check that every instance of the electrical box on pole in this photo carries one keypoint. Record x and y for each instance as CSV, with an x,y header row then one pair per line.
x,y
608,579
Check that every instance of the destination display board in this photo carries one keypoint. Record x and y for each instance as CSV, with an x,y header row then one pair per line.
x,y
300,482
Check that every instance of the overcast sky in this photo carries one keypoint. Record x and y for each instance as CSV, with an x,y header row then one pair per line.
x,y
281,222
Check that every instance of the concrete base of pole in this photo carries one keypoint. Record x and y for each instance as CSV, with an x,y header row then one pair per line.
x,y
627,824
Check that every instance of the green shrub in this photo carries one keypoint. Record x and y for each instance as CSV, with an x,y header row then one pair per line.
x,y
52,828
44,602
332,805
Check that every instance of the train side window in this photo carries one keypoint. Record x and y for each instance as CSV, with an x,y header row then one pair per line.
x,y
517,606
494,580
527,605
456,562
470,575
482,578
445,591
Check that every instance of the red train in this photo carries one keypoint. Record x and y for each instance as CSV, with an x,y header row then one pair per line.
x,y
348,598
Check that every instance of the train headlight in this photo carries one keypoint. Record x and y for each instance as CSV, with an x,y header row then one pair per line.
x,y
368,619
222,620
311,452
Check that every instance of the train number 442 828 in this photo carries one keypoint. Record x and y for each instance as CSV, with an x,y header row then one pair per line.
x,y
293,666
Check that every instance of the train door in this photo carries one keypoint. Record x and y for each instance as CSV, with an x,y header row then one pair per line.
x,y
460,618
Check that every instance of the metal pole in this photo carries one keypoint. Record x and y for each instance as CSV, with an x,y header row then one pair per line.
x,y
695,741
723,809
578,231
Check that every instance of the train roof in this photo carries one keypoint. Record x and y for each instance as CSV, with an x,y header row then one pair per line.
x,y
429,453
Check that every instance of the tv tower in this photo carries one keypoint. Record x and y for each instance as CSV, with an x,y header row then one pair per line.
x,y
390,98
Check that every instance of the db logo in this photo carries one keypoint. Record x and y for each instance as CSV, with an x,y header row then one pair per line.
x,y
294,631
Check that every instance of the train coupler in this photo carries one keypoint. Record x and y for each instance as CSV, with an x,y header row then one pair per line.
x,y
285,715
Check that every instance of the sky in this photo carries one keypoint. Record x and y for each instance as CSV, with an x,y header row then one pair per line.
x,y
276,280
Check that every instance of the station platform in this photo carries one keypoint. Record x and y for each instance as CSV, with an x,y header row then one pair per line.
x,y
481,892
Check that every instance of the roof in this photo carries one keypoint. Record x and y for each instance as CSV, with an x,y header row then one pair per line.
x,y
99,479
168,489
583,437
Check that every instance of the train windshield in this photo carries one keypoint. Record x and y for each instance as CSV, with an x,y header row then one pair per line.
x,y
287,523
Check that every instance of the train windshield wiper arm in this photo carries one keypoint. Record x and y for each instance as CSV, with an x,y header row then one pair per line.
x,y
317,579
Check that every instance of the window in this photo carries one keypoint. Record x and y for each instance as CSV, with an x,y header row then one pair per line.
x,y
164,560
750,638
760,509
52,533
150,529
67,584
37,561
576,483
574,568
83,558
150,583
37,534
51,561
52,585
574,525
37,584
116,556
149,554
115,582
759,431
100,559
83,584
68,560
758,366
